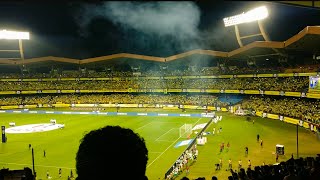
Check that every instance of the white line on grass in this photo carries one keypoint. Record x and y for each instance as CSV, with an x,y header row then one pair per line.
x,y
168,147
164,134
167,122
164,141
163,152
197,121
143,126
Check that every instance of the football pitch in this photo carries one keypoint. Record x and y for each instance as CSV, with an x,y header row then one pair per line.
x,y
161,135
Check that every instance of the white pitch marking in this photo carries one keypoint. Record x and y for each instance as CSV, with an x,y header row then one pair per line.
x,y
143,126
164,141
164,134
163,152
168,147
197,121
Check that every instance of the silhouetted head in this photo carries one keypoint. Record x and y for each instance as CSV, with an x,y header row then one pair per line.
x,y
112,152
291,170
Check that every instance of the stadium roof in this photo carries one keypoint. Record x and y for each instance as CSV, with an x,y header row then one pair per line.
x,y
307,41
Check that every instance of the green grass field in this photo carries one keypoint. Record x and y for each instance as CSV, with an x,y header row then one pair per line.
x,y
240,133
161,134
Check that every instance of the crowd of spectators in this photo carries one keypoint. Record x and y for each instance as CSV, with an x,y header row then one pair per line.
x,y
115,98
273,84
295,84
167,71
301,108
10,100
303,168
68,74
183,162
31,100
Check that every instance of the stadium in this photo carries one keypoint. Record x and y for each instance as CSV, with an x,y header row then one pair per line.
x,y
248,112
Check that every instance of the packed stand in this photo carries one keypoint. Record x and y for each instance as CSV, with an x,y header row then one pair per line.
x,y
4,101
36,100
164,71
183,162
295,84
306,109
116,98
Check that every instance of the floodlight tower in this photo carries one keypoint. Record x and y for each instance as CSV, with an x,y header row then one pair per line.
x,y
15,35
254,15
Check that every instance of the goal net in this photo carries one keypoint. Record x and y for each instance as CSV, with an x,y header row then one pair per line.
x,y
185,130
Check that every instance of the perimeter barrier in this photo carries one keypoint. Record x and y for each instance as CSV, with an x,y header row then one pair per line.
x,y
170,170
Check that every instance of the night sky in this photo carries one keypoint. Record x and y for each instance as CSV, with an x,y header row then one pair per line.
x,y
80,30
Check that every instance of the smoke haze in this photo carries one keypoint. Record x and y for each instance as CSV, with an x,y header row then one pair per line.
x,y
171,25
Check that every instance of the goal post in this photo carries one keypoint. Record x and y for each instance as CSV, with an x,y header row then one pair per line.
x,y
185,130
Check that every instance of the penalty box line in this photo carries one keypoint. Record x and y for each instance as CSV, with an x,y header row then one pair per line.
x,y
164,134
143,126
169,146
151,123
164,141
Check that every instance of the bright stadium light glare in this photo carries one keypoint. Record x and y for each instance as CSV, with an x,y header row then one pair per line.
x,y
250,16
4,34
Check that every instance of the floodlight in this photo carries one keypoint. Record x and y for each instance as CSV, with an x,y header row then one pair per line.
x,y
250,16
4,34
